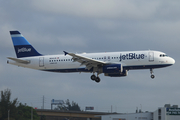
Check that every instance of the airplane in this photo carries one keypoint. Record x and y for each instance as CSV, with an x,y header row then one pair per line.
x,y
112,64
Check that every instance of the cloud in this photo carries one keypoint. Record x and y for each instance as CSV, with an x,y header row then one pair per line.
x,y
99,9
92,26
72,41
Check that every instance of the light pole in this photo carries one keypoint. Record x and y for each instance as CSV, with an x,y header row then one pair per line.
x,y
141,107
141,111
31,111
8,114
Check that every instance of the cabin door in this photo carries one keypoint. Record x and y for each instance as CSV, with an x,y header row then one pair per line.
x,y
41,62
151,56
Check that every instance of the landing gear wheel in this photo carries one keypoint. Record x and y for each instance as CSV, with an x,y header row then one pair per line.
x,y
97,79
151,71
93,77
152,76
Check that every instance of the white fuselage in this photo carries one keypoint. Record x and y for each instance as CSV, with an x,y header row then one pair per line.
x,y
129,60
112,64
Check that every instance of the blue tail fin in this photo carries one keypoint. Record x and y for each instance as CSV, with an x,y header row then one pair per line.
x,y
22,47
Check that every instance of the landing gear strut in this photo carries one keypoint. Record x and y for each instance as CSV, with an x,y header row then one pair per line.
x,y
151,71
96,79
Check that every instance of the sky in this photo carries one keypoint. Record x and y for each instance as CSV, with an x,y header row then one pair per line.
x,y
78,26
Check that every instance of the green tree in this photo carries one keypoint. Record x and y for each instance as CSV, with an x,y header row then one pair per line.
x,y
24,112
17,110
7,105
68,106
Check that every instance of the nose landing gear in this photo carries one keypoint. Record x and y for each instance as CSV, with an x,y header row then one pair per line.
x,y
152,76
151,71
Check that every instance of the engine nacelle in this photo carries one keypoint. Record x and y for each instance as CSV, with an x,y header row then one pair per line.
x,y
122,74
112,68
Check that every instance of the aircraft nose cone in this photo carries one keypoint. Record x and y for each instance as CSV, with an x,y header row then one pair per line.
x,y
173,61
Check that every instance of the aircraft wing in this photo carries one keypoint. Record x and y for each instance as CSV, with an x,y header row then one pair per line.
x,y
19,60
89,62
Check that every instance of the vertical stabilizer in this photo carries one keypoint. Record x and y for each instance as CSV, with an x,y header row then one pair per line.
x,y
22,47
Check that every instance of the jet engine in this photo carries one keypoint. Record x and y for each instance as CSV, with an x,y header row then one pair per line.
x,y
112,68
121,74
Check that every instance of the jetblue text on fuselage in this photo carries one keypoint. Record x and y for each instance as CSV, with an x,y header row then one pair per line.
x,y
130,56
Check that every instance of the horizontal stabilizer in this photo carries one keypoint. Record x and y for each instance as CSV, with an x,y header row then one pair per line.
x,y
19,60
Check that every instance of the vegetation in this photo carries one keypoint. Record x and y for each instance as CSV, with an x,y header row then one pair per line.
x,y
16,110
67,106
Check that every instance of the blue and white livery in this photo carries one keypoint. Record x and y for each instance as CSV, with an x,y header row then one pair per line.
x,y
113,64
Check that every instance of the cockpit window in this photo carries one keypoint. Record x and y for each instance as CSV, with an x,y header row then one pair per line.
x,y
163,55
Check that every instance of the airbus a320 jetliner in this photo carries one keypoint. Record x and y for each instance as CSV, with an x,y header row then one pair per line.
x,y
113,64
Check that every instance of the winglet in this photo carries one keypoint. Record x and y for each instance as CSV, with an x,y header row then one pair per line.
x,y
65,53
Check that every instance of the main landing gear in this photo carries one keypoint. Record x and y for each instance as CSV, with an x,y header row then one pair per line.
x,y
151,71
96,79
